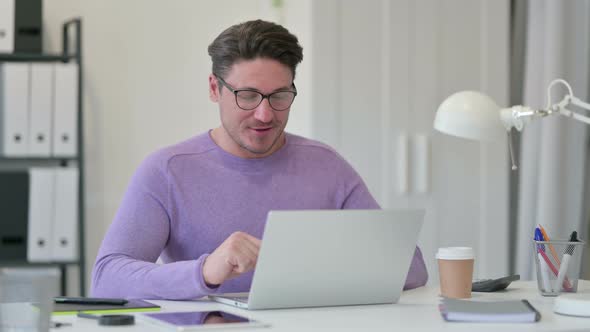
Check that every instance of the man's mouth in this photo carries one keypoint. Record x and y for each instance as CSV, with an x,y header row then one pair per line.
x,y
261,130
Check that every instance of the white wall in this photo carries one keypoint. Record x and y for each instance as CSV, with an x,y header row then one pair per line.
x,y
145,83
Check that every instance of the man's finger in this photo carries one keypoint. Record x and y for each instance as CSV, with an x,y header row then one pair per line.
x,y
254,240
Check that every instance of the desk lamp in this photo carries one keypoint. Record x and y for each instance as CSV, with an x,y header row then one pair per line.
x,y
474,115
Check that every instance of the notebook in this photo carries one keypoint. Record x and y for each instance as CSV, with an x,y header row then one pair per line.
x,y
131,306
514,311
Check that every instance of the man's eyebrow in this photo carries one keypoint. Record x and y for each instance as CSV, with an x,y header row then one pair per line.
x,y
284,88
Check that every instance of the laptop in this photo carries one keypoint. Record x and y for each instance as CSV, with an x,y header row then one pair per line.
x,y
315,258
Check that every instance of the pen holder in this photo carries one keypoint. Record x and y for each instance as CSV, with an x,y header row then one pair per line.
x,y
558,264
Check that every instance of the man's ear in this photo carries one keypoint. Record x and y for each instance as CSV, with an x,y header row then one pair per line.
x,y
213,89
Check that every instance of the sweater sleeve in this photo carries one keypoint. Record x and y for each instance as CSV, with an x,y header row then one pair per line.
x,y
359,197
417,275
126,263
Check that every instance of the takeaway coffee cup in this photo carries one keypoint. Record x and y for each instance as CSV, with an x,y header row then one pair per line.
x,y
455,267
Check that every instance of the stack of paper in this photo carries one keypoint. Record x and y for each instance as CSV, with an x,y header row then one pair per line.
x,y
515,311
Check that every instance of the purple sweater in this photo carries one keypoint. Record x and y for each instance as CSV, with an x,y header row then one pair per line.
x,y
185,200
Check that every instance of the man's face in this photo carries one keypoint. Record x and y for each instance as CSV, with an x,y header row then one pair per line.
x,y
259,132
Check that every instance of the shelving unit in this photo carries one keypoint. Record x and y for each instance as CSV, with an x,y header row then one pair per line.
x,y
71,29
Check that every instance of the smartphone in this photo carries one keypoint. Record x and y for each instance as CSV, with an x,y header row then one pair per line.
x,y
88,300
199,320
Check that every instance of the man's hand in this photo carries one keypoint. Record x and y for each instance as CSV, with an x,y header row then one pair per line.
x,y
236,255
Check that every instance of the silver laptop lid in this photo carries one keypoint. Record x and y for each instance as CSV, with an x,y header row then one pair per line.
x,y
334,257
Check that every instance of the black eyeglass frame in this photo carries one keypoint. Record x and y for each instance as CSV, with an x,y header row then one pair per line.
x,y
236,91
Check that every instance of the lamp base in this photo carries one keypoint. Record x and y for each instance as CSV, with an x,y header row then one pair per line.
x,y
573,305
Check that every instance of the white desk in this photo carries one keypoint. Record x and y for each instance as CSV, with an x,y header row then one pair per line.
x,y
416,311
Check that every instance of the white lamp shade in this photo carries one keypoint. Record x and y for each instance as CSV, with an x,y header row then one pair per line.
x,y
470,114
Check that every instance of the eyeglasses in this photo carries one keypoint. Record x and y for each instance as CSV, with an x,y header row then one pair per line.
x,y
249,99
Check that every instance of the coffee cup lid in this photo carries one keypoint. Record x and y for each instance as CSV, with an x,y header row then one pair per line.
x,y
455,253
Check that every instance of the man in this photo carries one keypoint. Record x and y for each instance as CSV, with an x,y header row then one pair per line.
x,y
201,205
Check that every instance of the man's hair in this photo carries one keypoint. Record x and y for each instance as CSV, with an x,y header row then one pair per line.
x,y
251,40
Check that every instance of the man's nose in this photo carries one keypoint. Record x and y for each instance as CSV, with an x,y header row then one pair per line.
x,y
264,113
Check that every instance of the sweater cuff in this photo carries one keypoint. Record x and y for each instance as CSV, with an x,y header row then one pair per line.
x,y
201,284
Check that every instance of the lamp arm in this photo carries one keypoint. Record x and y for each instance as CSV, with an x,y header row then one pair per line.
x,y
568,99
518,116
577,116
582,104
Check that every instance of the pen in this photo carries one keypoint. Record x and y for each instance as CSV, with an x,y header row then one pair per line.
x,y
553,252
548,261
567,255
542,263
544,254
89,300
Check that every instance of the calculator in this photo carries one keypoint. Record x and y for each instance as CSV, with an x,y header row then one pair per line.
x,y
493,285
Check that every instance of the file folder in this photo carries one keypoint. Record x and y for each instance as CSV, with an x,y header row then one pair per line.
x,y
7,13
14,109
13,223
65,220
28,26
65,116
41,100
41,197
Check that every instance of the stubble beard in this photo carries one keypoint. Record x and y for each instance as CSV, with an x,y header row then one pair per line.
x,y
235,136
